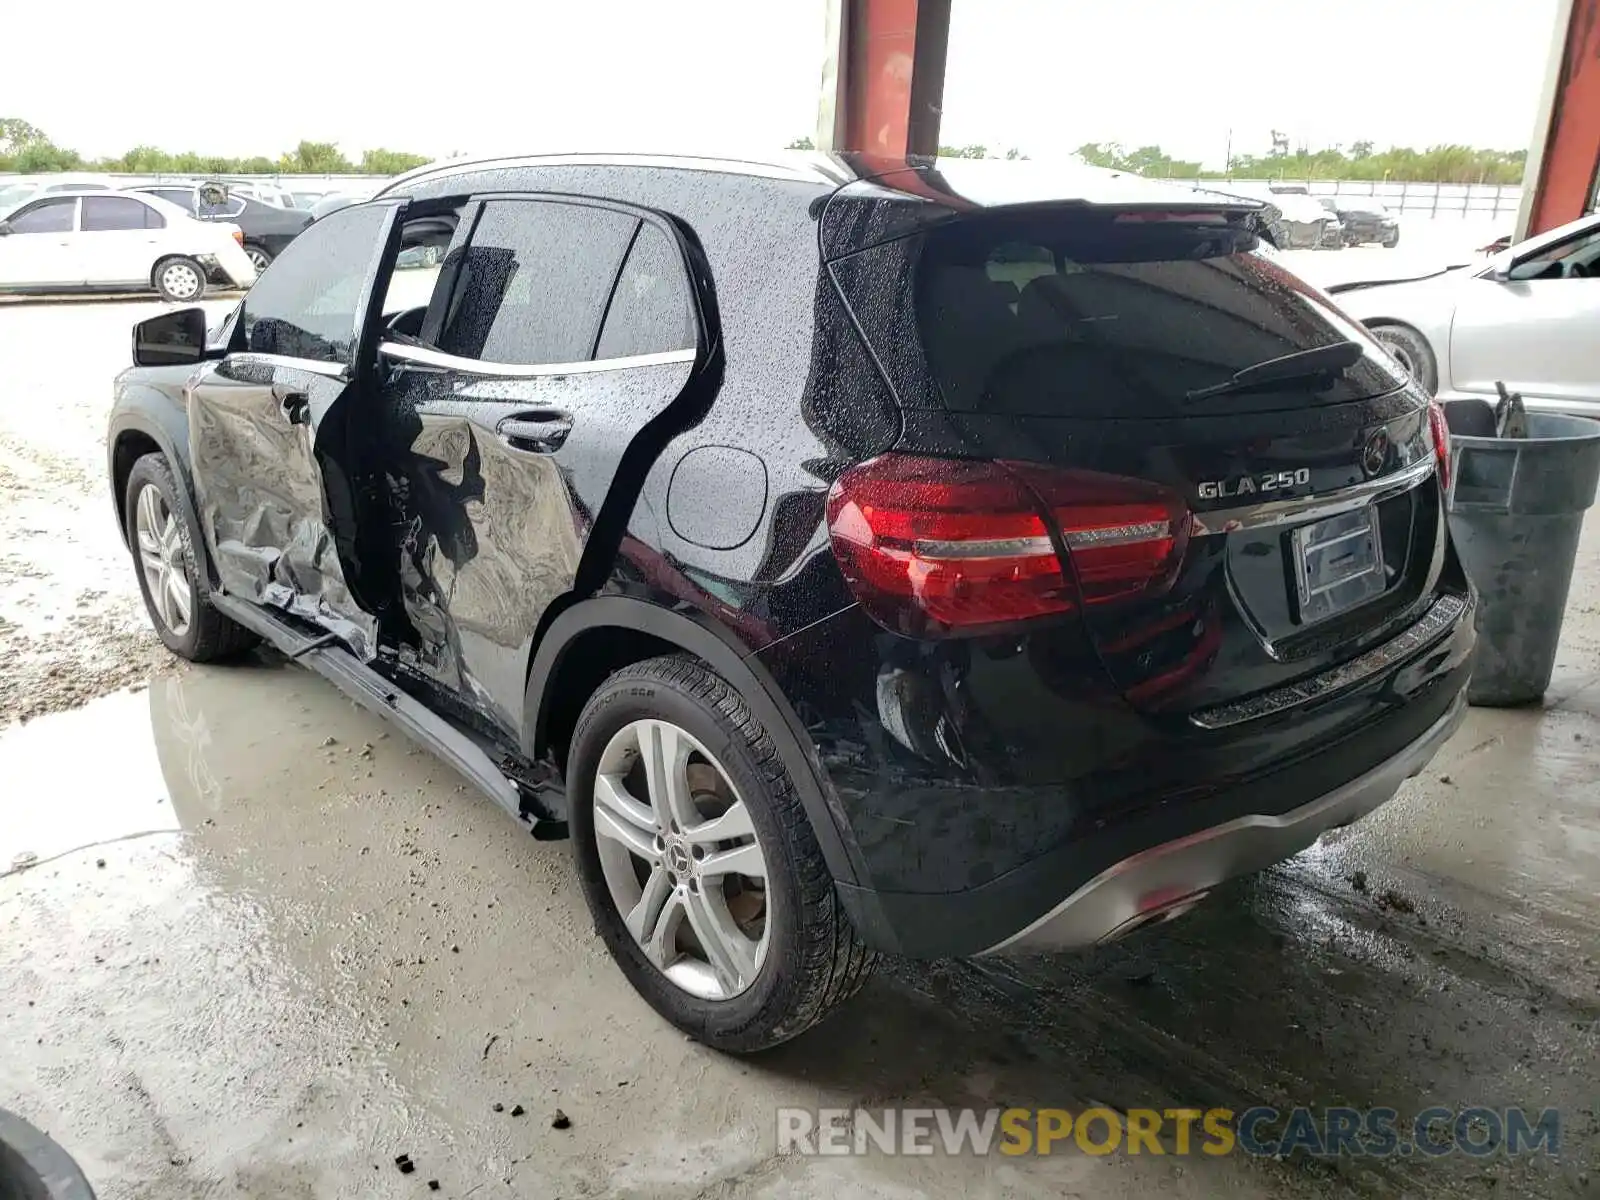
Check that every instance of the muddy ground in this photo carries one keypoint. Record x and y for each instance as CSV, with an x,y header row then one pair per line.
x,y
250,944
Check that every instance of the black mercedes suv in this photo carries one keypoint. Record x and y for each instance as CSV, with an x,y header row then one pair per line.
x,y
851,556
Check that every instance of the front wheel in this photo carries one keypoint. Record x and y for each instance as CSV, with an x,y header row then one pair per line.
x,y
167,562
698,863
181,280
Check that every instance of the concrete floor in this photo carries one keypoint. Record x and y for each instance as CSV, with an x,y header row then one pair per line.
x,y
240,958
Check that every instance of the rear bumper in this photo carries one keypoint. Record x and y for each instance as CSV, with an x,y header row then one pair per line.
x,y
1150,853
1166,880
234,264
1368,231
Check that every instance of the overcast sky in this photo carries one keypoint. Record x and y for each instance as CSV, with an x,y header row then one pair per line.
x,y
1040,75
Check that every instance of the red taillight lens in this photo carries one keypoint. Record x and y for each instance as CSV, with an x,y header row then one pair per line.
x,y
935,545
1441,442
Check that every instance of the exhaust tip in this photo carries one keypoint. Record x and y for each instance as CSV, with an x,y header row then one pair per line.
x,y
1156,909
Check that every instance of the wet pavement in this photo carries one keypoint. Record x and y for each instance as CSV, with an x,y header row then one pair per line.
x,y
251,945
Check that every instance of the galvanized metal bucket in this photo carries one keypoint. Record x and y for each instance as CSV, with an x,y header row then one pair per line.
x,y
1516,512
32,1167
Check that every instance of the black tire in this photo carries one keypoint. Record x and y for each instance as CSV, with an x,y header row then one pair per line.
x,y
814,960
1413,352
208,635
259,255
170,276
1393,240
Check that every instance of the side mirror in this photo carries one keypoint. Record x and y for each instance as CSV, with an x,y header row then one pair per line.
x,y
1530,268
172,339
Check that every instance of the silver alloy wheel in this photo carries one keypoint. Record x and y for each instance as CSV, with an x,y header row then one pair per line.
x,y
258,258
181,281
161,558
681,859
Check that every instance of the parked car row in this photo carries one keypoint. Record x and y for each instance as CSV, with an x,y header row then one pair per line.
x,y
260,218
267,228
1299,221
102,240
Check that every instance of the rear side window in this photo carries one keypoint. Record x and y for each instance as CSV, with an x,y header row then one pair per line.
x,y
104,213
232,206
48,216
534,281
1077,315
649,311
184,198
307,303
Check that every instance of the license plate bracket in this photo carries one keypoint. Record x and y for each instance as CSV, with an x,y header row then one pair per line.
x,y
1338,563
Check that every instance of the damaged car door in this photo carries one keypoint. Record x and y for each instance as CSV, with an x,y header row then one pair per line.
x,y
267,432
559,354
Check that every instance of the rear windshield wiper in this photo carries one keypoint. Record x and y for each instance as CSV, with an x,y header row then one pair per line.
x,y
1319,362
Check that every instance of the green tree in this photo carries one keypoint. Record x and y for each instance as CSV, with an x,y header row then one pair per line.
x,y
1146,160
389,162
963,152
17,135
801,143
28,150
315,158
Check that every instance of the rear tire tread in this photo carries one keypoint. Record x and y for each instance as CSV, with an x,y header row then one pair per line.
x,y
835,962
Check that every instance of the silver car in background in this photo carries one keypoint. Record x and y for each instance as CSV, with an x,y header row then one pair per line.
x,y
1528,316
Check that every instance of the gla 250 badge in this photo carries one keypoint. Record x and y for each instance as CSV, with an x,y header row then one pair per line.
x,y
1249,485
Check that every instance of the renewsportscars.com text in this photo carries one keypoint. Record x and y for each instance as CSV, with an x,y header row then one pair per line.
x,y
1259,1131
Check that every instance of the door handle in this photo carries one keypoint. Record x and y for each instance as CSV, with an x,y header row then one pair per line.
x,y
294,403
535,432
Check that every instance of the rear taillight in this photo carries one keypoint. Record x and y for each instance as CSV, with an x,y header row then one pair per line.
x,y
238,236
934,545
1441,441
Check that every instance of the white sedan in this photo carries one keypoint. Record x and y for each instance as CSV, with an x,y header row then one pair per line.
x,y
1528,316
110,241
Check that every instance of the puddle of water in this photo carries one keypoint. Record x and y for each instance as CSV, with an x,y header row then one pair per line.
x,y
79,777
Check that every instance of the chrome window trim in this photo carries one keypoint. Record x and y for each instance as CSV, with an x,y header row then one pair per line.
x,y
1429,628
1313,508
313,366
426,357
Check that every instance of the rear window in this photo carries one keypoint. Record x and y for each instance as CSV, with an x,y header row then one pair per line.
x,y
1081,315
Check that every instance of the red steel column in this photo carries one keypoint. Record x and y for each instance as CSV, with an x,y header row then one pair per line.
x,y
883,87
1565,157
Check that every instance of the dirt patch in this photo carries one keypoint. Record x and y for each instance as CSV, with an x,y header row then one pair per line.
x,y
94,655
72,621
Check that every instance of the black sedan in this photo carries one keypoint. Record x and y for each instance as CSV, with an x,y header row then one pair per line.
x,y
267,228
1367,221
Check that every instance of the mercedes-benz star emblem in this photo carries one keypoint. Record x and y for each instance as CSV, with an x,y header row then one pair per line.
x,y
1375,453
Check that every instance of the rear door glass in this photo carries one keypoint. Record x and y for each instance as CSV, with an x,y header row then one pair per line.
x,y
1093,316
534,281
649,311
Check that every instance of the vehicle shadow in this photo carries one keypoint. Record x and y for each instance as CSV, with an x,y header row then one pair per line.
x,y
1290,989
1304,986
